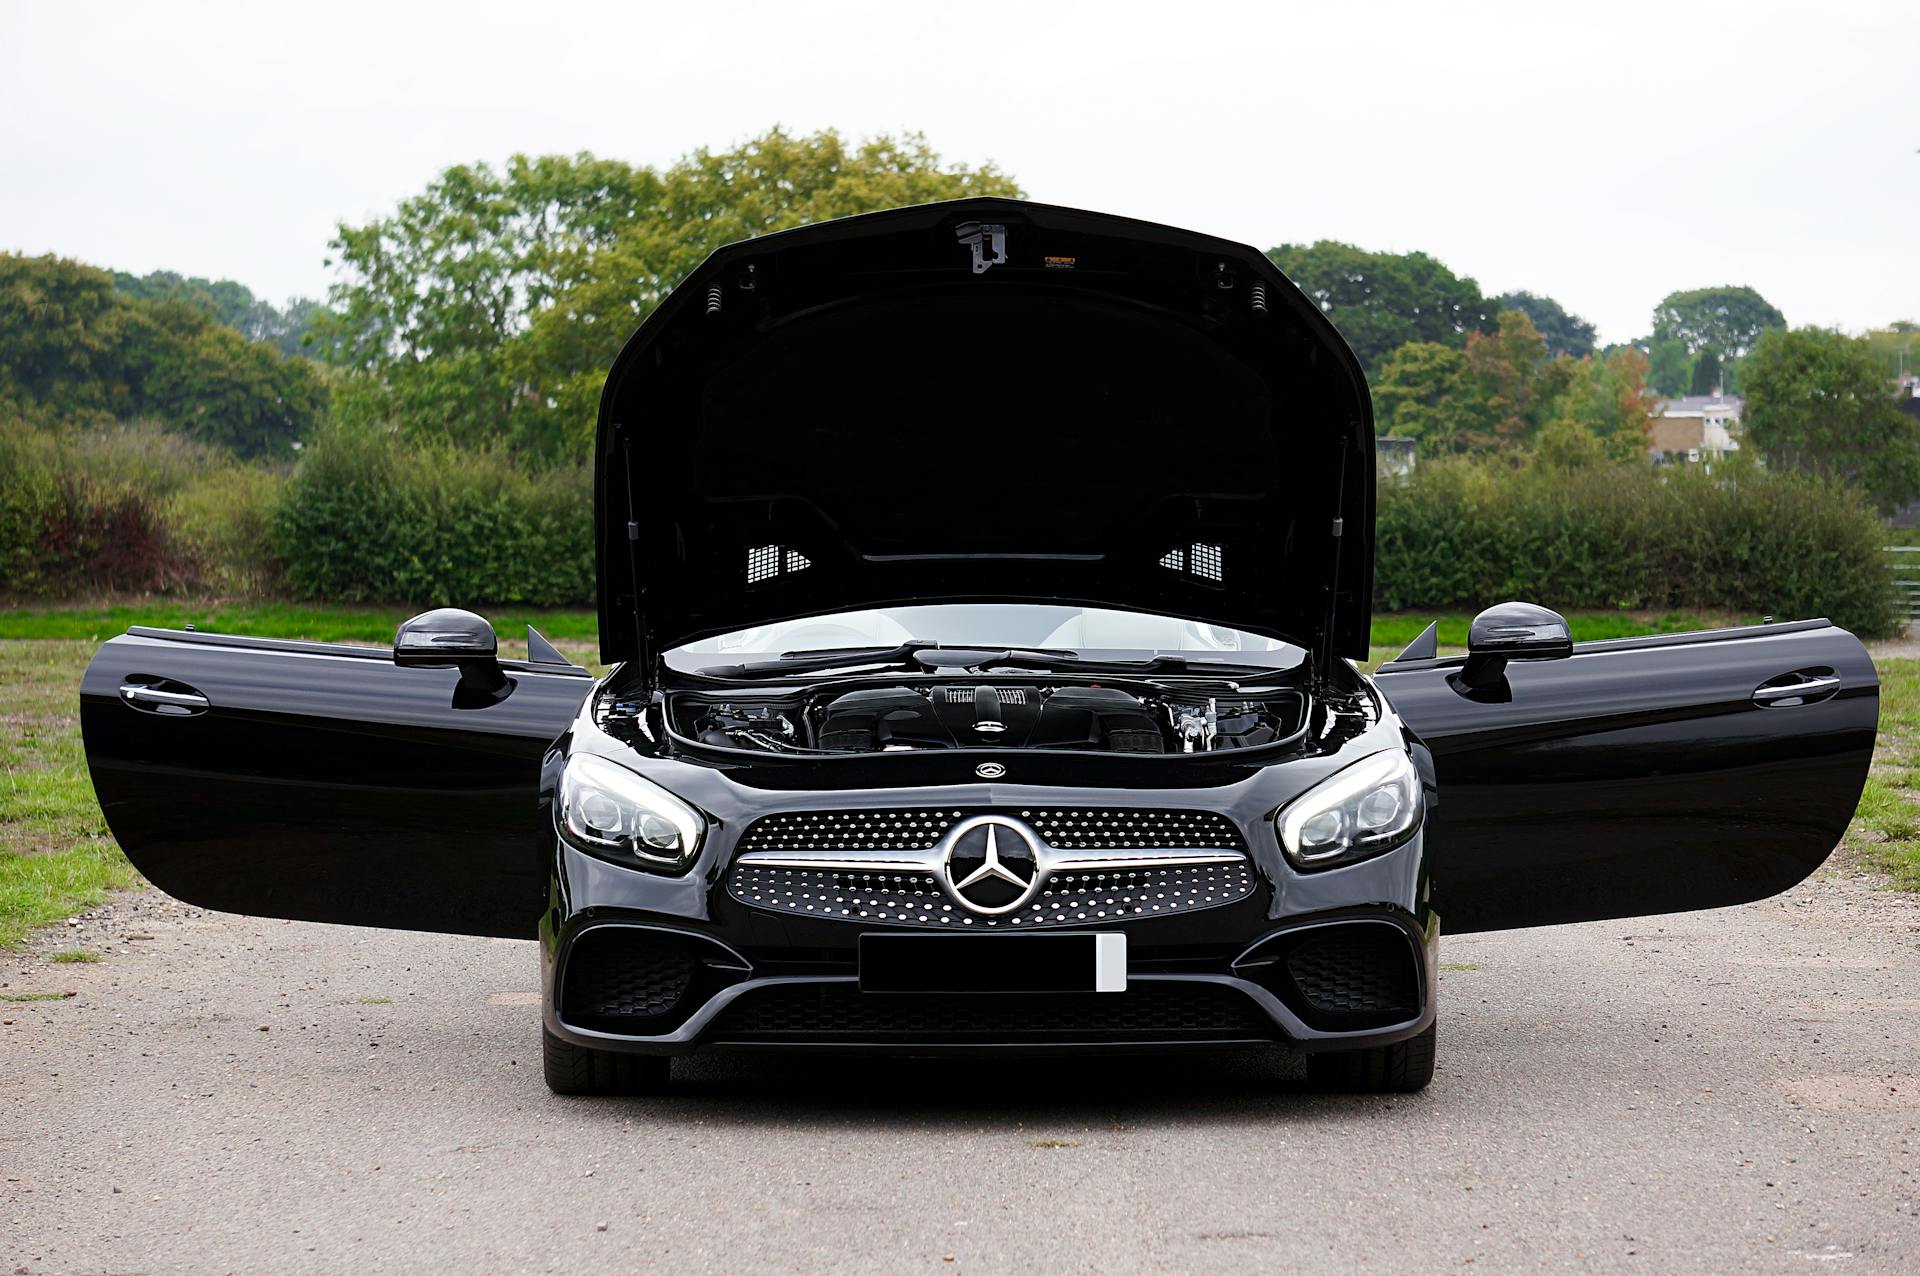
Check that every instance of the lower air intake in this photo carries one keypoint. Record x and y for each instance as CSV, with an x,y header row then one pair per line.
x,y
841,1013
623,980
1356,970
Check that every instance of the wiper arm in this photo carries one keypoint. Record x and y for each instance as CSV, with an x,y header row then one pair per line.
x,y
820,661
1071,662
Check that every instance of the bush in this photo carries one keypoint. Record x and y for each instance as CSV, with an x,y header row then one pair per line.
x,y
369,519
1461,535
83,512
225,521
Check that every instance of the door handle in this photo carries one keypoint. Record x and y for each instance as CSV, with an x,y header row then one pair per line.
x,y
1805,689
145,696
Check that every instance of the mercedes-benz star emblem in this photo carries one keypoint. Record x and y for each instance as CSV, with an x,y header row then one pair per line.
x,y
989,770
989,865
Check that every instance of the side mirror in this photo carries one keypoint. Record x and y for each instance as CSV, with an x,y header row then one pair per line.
x,y
1511,631
449,636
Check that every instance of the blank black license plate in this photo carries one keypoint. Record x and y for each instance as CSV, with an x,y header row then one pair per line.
x,y
1078,962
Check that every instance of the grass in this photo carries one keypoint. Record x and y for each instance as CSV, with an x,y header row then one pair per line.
x,y
73,955
1885,835
32,996
56,857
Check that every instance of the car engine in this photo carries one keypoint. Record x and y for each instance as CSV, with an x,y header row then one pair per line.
x,y
1144,718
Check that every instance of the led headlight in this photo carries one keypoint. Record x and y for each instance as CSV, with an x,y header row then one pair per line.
x,y
1372,806
607,809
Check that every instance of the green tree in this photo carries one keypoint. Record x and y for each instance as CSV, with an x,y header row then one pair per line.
x,y
1817,401
1669,366
1519,380
59,354
488,307
1606,399
1896,347
1565,333
1723,322
1381,301
230,303
75,350
1427,392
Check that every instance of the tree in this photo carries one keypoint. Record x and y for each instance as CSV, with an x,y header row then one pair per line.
x,y
1724,322
1669,366
1565,333
73,350
488,307
1381,301
230,303
1518,378
1896,347
1608,400
1816,401
1427,392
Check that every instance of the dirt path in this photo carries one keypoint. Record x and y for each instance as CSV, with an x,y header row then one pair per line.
x,y
1737,1090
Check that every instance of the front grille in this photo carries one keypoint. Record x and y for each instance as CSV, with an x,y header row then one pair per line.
x,y
1069,898
1065,828
1356,970
618,974
840,1012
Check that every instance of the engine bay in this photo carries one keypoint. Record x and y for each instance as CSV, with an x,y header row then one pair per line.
x,y
1133,717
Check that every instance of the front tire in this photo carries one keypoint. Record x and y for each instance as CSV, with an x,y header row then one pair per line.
x,y
1401,1068
572,1069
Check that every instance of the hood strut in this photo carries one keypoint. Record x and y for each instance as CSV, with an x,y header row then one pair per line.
x,y
1323,648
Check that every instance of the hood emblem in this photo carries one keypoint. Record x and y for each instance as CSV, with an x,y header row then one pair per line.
x,y
984,237
990,770
990,865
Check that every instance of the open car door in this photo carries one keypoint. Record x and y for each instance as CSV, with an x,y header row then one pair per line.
x,y
1640,775
324,782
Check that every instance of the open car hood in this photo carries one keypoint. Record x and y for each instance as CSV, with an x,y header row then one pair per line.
x,y
984,400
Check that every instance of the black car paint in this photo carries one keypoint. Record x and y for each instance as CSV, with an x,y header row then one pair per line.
x,y
1166,388
1639,775
590,892
326,782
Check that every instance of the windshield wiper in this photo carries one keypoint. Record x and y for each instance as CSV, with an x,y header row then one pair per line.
x,y
821,660
933,657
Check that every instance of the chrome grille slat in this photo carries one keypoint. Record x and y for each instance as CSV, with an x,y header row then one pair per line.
x,y
1063,828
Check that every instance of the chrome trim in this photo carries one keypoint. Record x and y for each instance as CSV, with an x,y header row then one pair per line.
x,y
144,694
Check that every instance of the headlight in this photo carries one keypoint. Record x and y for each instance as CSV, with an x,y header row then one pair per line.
x,y
607,809
1372,806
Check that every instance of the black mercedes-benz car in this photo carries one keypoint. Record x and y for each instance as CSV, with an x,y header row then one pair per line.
x,y
982,584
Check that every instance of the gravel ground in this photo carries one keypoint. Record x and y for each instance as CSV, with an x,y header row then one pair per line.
x,y
1727,1091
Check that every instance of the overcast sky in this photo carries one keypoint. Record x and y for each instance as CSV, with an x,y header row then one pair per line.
x,y
1604,159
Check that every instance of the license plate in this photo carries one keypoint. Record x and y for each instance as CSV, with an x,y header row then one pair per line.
x,y
1076,962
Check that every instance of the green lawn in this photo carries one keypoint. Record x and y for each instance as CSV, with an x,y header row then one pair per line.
x,y
56,857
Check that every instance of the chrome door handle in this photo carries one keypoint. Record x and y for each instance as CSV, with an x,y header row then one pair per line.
x,y
141,694
1809,688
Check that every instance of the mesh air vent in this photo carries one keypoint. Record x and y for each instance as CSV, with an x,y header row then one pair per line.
x,y
768,562
1198,559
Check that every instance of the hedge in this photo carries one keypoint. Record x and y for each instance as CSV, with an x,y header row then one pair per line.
x,y
367,519
1456,535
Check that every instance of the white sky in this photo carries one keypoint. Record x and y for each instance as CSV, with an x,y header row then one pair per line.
x,y
1604,155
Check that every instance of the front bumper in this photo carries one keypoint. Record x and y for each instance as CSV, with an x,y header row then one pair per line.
x,y
634,962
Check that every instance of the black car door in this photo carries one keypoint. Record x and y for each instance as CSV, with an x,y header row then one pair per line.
x,y
1640,775
323,782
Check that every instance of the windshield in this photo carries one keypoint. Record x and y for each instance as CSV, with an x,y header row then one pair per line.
x,y
1082,629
